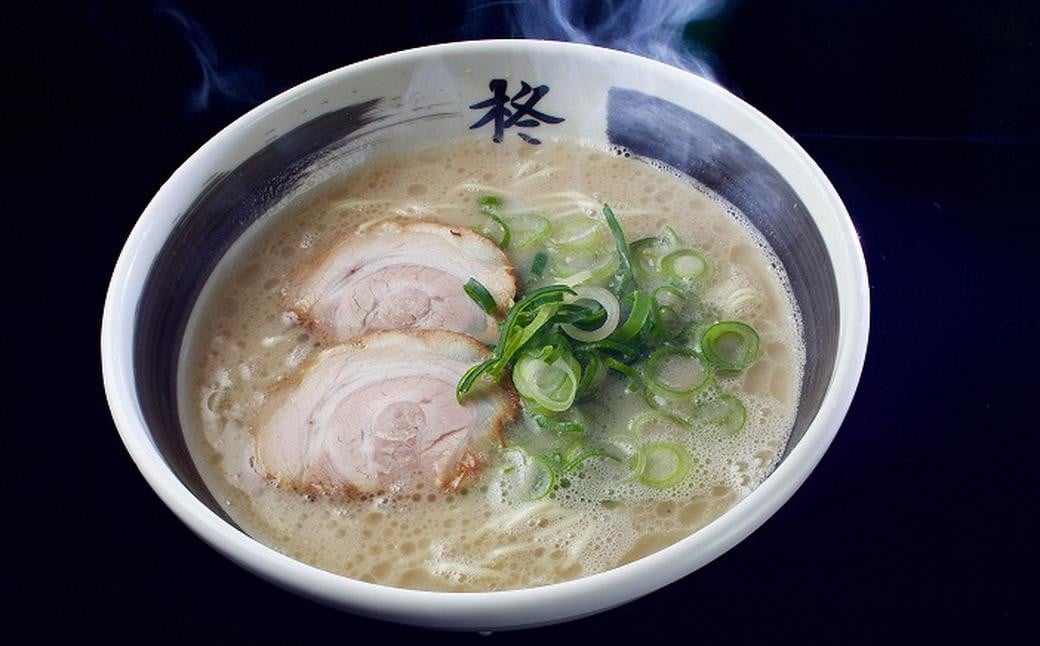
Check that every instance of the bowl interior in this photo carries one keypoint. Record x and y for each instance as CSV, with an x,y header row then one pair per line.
x,y
339,123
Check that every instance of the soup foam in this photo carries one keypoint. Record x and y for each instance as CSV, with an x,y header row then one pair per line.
x,y
242,342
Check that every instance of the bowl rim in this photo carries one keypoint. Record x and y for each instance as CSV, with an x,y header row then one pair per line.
x,y
508,608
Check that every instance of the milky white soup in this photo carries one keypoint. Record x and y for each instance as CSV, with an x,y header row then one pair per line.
x,y
675,463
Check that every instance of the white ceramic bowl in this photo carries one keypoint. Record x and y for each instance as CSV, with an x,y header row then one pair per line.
x,y
326,125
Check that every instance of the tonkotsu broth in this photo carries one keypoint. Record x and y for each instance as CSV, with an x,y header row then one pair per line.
x,y
242,342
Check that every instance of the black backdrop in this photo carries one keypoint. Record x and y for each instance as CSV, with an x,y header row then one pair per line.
x,y
918,521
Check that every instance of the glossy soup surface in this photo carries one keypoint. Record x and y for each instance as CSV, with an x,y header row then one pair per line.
x,y
242,342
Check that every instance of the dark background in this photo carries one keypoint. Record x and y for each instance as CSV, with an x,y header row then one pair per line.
x,y
917,523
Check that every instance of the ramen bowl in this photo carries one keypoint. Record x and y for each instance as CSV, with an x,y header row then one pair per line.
x,y
496,89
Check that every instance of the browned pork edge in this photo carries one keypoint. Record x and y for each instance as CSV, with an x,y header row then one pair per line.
x,y
470,465
291,292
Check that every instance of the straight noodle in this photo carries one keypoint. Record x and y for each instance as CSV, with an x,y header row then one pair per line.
x,y
640,446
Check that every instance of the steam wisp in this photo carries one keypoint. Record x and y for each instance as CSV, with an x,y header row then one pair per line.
x,y
653,28
232,83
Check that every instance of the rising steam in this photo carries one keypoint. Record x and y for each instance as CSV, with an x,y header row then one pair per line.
x,y
658,29
653,28
232,83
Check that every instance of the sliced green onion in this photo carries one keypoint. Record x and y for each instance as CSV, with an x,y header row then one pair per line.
x,y
578,266
515,343
569,452
669,303
576,462
590,317
667,324
725,411
516,330
550,384
610,305
542,295
538,264
527,229
642,305
480,295
674,371
556,345
646,256
623,368
625,280
662,464
668,321
592,373
513,335
641,423
730,345
489,201
668,238
670,403
577,232
528,477
470,377
488,206
626,351
684,264
669,296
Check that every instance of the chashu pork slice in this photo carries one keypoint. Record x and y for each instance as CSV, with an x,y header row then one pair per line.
x,y
379,411
399,275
